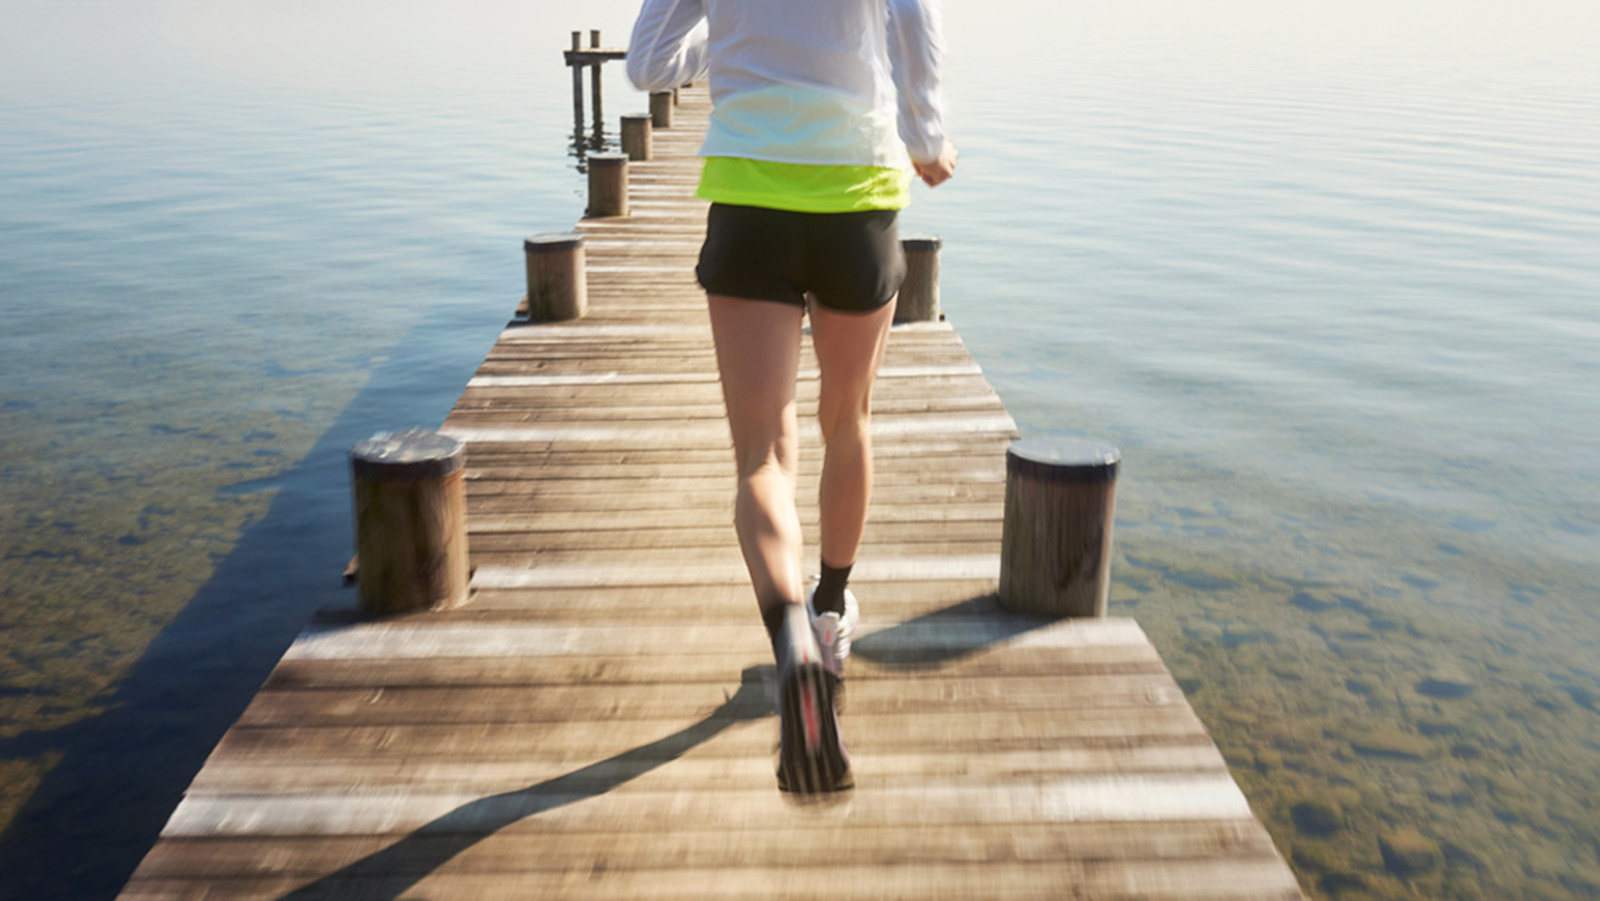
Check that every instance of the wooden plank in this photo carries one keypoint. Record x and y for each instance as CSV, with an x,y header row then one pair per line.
x,y
685,564
907,485
722,571
931,446
582,742
524,408
948,598
1248,878
709,515
310,776
953,467
682,490
720,668
557,391
512,851
508,541
710,435
611,701
419,639
561,805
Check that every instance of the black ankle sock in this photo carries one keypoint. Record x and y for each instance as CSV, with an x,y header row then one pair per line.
x,y
772,618
830,592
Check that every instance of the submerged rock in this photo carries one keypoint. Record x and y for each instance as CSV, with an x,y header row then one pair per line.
x,y
1237,634
1461,854
1583,697
1240,717
1339,883
1316,857
1438,726
1307,601
1319,816
1389,742
1409,853
1446,682
1358,686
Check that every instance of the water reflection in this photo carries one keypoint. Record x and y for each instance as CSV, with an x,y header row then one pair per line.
x,y
587,66
587,141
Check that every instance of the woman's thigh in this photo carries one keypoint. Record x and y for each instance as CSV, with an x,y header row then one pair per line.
x,y
758,351
849,349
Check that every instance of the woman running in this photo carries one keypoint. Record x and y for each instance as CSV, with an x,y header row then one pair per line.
x,y
821,109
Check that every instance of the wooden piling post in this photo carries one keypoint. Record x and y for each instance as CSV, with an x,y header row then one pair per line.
x,y
1055,545
636,136
661,109
410,503
594,83
577,83
608,185
558,288
919,293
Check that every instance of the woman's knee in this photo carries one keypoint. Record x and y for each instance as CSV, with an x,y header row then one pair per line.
x,y
845,419
762,461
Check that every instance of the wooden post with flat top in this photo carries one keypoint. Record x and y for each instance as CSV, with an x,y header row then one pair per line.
x,y
557,285
608,185
636,131
661,109
1055,543
919,293
410,503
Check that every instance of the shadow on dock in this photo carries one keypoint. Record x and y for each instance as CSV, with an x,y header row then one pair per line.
x,y
389,873
924,643
945,635
120,774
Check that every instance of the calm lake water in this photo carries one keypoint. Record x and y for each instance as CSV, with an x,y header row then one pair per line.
x,y
1326,273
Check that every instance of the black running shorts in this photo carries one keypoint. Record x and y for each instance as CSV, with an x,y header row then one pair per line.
x,y
847,261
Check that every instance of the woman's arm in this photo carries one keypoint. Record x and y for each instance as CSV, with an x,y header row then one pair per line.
x,y
668,47
916,53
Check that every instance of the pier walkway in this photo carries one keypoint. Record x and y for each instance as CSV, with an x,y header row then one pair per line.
x,y
596,722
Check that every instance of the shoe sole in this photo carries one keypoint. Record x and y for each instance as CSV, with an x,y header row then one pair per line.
x,y
813,761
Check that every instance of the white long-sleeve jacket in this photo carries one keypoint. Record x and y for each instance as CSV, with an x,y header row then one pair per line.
x,y
830,82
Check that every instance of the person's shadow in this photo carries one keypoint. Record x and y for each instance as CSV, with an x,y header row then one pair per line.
x,y
389,873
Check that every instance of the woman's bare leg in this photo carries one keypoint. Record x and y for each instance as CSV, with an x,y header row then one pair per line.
x,y
758,351
849,348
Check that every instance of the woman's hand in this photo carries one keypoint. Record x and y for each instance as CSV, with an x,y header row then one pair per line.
x,y
939,171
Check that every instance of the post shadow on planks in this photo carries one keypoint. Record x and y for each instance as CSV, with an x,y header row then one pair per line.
x,y
121,773
1055,558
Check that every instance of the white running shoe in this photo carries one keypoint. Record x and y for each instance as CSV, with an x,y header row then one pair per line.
x,y
834,630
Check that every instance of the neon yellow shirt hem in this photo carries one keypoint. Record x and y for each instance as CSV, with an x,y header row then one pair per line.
x,y
803,187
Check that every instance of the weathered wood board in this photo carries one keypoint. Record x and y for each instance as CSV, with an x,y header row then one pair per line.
x,y
597,721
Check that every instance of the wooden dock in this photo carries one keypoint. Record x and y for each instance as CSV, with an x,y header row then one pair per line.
x,y
597,721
